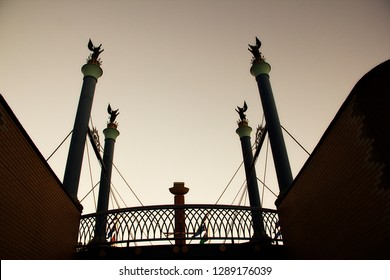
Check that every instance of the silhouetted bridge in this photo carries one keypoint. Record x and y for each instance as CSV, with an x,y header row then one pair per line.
x,y
148,226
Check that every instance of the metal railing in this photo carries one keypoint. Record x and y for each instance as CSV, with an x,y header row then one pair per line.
x,y
153,225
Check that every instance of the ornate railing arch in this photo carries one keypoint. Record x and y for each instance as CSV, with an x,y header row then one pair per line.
x,y
152,225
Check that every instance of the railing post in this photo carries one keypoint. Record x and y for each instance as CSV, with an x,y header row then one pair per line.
x,y
179,191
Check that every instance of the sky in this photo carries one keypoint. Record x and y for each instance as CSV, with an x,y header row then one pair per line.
x,y
177,70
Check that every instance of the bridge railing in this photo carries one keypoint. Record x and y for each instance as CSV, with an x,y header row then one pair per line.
x,y
153,225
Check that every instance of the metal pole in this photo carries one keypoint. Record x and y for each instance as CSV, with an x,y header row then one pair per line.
x,y
260,69
110,133
253,190
76,150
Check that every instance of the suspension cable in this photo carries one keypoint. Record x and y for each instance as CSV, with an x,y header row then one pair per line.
x,y
243,195
117,193
296,141
239,191
112,194
120,174
265,170
228,184
267,187
90,175
90,192
59,145
235,173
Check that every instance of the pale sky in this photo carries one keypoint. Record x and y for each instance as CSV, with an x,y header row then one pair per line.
x,y
177,70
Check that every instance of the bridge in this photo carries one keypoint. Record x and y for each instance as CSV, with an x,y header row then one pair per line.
x,y
148,231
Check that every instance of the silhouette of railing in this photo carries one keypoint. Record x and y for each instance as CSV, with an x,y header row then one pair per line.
x,y
153,225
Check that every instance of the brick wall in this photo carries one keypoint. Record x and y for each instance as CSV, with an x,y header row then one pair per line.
x,y
38,220
339,204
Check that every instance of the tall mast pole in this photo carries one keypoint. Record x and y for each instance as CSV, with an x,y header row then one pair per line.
x,y
110,133
260,70
92,72
244,131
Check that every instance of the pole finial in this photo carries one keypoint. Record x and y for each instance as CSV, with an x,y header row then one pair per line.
x,y
241,111
255,50
113,113
94,56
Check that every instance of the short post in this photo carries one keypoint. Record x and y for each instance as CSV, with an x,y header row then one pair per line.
x,y
179,190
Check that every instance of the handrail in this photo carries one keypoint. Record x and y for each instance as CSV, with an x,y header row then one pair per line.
x,y
153,225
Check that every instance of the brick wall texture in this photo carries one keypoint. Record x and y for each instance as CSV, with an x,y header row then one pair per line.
x,y
38,220
339,204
